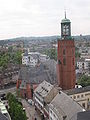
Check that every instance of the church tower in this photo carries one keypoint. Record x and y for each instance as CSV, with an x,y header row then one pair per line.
x,y
66,57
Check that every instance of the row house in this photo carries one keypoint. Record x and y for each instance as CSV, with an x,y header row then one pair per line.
x,y
9,76
62,107
43,95
81,96
53,104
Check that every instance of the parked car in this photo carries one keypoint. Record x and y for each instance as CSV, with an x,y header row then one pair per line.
x,y
30,101
24,109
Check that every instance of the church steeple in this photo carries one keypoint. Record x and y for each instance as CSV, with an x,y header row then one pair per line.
x,y
66,57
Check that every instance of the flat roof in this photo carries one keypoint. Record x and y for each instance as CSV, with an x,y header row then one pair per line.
x,y
77,90
83,115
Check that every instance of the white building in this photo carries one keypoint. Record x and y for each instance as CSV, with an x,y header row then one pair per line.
x,y
83,64
85,55
43,57
25,59
84,50
32,58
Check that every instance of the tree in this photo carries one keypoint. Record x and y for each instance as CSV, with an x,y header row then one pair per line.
x,y
19,113
77,54
52,53
4,59
17,57
84,81
8,57
15,108
10,49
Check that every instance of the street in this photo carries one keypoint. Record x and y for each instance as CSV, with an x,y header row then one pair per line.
x,y
5,91
30,111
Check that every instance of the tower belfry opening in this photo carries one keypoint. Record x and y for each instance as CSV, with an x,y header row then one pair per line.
x,y
65,28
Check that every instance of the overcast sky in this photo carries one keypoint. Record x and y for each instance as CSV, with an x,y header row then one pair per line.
x,y
42,17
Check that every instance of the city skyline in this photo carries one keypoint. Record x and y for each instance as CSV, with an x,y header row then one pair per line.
x,y
42,18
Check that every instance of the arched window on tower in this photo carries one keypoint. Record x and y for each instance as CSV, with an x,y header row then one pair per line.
x,y
64,52
72,52
64,61
59,62
73,61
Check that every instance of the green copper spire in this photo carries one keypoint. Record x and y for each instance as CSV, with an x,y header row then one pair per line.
x,y
65,20
65,14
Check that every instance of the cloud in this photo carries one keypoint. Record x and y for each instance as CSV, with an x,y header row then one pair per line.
x,y
42,17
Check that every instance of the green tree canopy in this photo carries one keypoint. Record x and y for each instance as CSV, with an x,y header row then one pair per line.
x,y
84,81
9,57
52,53
15,108
77,54
17,57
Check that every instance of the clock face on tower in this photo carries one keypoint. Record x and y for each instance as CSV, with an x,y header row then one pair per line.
x,y
65,30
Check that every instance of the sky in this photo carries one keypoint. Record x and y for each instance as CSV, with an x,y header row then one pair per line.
x,y
42,17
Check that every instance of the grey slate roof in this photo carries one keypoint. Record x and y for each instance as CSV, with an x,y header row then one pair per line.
x,y
83,115
63,105
77,90
35,56
43,89
25,54
2,117
36,75
51,65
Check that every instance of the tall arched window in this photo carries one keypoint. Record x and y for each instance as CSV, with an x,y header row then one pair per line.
x,y
59,62
64,52
73,61
72,52
64,61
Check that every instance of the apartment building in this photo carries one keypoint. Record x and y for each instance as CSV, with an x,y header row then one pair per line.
x,y
83,64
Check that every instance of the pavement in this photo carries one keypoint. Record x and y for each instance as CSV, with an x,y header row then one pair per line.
x,y
30,111
5,91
